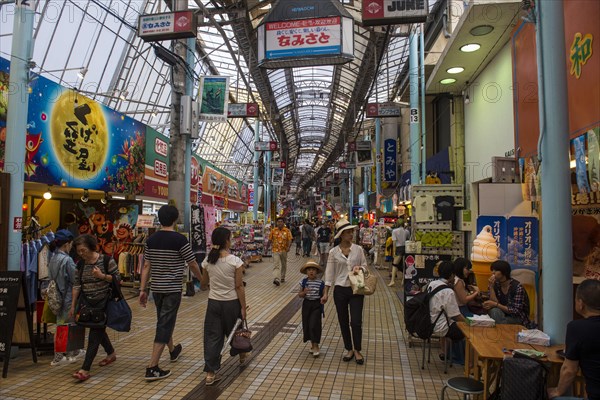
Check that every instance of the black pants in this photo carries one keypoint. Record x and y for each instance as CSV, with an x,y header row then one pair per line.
x,y
218,323
344,299
311,320
306,246
96,338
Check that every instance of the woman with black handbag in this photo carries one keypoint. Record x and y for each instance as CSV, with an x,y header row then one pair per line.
x,y
222,272
93,283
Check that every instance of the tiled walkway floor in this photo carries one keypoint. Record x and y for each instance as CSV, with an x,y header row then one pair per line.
x,y
283,369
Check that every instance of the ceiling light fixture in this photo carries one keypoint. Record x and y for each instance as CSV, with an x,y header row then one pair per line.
x,y
105,199
465,93
86,196
123,95
447,81
470,47
47,194
154,114
455,70
481,30
82,72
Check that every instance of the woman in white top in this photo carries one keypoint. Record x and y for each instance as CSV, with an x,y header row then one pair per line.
x,y
222,272
344,258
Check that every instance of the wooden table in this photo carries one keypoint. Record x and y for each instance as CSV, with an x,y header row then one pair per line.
x,y
490,345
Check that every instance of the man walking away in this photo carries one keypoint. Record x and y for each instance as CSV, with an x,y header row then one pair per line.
x,y
166,252
281,240
399,236
308,234
323,239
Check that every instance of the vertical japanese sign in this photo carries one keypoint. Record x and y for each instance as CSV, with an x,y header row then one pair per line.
x,y
390,171
198,228
498,225
156,182
594,158
580,165
301,38
523,234
214,92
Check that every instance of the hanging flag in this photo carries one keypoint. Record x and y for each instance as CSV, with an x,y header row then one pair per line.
x,y
594,158
580,168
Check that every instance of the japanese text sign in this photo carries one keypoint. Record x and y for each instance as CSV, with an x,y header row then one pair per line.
x,y
305,37
390,173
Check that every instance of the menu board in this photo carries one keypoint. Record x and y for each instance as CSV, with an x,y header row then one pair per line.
x,y
11,283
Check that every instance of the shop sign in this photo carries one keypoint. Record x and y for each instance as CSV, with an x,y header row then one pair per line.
x,y
347,164
156,182
364,156
198,229
304,37
213,95
584,199
218,184
242,110
74,141
265,146
250,197
390,172
383,110
17,224
580,53
167,26
145,221
523,233
393,12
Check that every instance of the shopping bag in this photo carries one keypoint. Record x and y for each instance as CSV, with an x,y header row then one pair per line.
x,y
69,338
48,316
242,342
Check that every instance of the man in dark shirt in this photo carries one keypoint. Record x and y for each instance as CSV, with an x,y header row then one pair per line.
x,y
582,346
323,239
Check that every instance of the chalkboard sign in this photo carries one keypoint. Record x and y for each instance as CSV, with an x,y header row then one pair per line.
x,y
12,295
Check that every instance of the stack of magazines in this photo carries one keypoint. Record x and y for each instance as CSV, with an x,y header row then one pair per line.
x,y
481,320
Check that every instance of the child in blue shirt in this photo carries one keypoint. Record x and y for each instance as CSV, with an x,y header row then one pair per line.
x,y
311,290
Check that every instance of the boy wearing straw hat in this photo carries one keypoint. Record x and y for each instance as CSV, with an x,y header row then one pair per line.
x,y
311,290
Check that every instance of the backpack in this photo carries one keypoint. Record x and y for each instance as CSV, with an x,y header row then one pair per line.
x,y
54,296
417,316
521,378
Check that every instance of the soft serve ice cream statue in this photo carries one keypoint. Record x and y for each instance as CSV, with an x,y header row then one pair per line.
x,y
483,254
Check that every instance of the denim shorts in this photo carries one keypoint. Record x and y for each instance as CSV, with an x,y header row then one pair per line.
x,y
167,305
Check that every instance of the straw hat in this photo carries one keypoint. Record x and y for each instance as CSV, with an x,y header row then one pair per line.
x,y
311,264
341,226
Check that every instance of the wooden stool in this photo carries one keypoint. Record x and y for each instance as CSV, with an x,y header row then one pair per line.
x,y
463,385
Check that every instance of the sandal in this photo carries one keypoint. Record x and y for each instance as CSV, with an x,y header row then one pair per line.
x,y
211,380
81,376
107,361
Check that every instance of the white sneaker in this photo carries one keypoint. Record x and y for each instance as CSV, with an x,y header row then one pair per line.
x,y
74,358
58,360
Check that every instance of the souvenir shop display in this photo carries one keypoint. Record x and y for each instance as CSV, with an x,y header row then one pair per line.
x,y
253,249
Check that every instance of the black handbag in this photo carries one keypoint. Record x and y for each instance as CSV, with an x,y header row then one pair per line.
x,y
241,339
91,313
118,312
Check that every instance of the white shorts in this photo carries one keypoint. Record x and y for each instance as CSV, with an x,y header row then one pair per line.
x,y
324,247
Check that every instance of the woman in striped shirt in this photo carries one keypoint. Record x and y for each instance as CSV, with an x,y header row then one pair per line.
x,y
94,282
